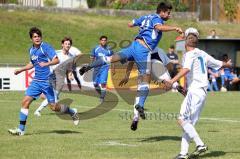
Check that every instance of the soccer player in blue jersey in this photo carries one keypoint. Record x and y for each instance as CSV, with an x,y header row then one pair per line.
x,y
42,56
100,74
150,32
61,70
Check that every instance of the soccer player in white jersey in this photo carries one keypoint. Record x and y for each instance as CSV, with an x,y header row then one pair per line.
x,y
65,65
195,64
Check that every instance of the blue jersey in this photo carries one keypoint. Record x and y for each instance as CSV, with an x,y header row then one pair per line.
x,y
147,32
44,53
227,71
99,52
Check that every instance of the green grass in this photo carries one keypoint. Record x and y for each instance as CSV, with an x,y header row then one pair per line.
x,y
85,30
108,136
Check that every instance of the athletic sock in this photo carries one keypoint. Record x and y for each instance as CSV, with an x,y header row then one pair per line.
x,y
185,143
23,118
103,93
142,93
65,109
43,105
99,62
192,133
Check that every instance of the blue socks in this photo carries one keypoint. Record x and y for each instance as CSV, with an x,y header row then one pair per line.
x,y
23,118
142,93
99,62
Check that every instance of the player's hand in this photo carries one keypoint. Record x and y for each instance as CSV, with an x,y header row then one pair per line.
x,y
123,81
43,64
168,84
17,71
179,30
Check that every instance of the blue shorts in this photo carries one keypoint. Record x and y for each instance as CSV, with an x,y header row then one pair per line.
x,y
100,75
140,54
36,88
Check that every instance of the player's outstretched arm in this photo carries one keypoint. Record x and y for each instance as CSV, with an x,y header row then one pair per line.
x,y
165,28
180,74
227,64
25,68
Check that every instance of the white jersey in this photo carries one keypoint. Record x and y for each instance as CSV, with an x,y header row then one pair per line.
x,y
197,61
64,57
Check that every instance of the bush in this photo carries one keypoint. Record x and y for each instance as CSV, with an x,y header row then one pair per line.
x,y
13,1
50,3
91,3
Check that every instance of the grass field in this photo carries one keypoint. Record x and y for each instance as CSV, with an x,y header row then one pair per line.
x,y
84,30
108,136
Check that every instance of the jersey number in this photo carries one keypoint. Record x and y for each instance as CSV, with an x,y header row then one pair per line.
x,y
202,64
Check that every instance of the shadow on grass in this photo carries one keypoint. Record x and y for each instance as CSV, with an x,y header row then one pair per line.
x,y
56,132
213,154
161,138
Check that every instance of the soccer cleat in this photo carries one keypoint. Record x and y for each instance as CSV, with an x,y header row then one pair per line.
x,y
141,111
37,113
199,150
75,117
84,69
182,90
134,125
180,156
16,132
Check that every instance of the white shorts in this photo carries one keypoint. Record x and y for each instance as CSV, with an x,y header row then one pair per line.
x,y
192,105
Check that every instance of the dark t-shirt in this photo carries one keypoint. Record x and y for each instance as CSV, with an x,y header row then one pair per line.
x,y
173,56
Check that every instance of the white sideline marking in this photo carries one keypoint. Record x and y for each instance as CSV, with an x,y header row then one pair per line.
x,y
115,143
228,120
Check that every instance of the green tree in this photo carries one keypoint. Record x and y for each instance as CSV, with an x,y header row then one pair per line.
x,y
230,7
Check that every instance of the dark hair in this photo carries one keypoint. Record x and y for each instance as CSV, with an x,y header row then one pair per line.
x,y
163,6
67,39
172,46
103,37
191,40
35,30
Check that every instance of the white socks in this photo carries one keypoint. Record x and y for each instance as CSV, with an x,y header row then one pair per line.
x,y
192,133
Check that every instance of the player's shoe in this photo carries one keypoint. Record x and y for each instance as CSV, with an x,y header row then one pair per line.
x,y
134,125
199,150
181,90
84,69
141,111
223,89
75,117
37,113
180,156
16,131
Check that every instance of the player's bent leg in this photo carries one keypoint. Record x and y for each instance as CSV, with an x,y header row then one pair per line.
x,y
57,107
99,62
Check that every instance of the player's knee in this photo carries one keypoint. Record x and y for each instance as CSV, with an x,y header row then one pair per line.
x,y
26,102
